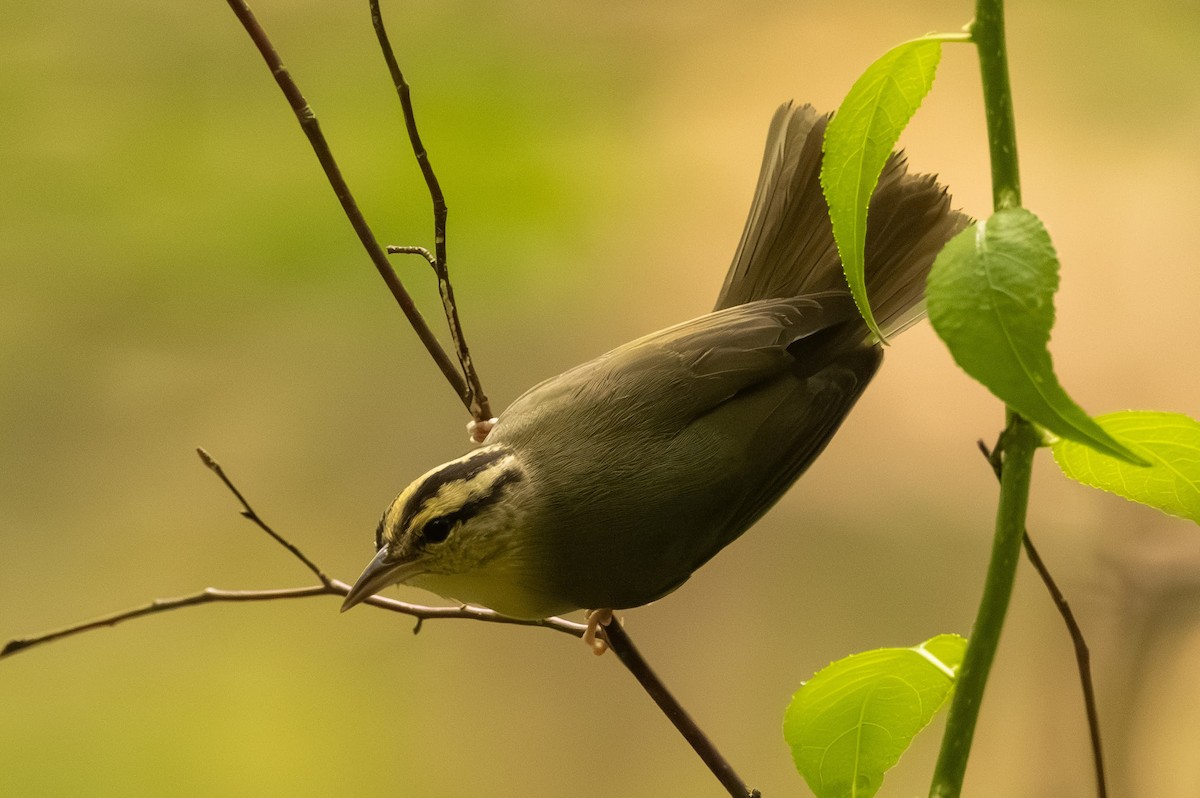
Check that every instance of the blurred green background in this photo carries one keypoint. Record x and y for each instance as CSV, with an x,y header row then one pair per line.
x,y
174,272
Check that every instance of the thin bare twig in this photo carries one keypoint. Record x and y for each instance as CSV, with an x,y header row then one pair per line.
x,y
207,596
1083,661
619,641
1083,657
424,253
249,514
478,404
312,129
214,595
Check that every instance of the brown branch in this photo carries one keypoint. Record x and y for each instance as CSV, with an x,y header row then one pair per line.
x,y
1083,657
631,658
312,129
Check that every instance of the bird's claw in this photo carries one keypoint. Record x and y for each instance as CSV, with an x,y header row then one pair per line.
x,y
596,619
478,429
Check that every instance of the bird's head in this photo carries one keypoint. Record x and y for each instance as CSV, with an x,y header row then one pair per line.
x,y
454,531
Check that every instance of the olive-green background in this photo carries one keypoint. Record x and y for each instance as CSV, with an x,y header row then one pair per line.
x,y
175,272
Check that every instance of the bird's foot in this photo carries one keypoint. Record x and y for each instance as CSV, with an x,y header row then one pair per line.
x,y
596,619
478,430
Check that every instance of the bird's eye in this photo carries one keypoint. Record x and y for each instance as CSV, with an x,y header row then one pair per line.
x,y
437,530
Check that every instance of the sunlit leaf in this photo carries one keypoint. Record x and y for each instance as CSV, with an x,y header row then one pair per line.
x,y
1169,441
850,723
991,299
858,141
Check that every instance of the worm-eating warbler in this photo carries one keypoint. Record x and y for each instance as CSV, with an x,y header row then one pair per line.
x,y
607,486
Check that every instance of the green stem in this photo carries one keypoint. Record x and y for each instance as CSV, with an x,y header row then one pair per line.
x,y
987,31
1018,443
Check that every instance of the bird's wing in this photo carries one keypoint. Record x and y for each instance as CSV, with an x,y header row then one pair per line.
x,y
664,381
708,360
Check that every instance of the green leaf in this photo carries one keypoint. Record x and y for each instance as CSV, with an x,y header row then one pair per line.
x,y
850,723
858,141
1169,441
991,299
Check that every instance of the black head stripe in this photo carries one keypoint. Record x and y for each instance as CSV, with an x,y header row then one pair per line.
x,y
472,507
459,470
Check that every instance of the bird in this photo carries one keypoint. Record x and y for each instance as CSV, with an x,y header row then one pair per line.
x,y
607,486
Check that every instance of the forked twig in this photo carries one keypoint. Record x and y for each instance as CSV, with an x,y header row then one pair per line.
x,y
478,404
1083,657
312,129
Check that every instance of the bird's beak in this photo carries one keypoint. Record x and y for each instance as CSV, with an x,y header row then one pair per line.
x,y
380,573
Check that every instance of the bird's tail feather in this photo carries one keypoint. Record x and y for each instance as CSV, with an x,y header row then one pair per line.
x,y
787,248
